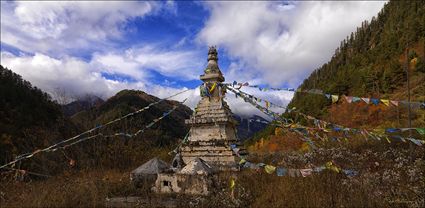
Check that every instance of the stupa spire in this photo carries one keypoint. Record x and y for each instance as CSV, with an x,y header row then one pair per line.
x,y
213,128
212,72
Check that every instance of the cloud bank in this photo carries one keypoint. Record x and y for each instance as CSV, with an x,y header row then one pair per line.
x,y
281,42
100,48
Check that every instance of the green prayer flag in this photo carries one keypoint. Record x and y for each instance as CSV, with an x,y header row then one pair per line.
x,y
421,131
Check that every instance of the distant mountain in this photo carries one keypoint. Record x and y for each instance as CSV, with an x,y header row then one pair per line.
x,y
82,104
127,101
249,126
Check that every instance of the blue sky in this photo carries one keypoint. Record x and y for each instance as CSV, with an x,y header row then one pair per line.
x,y
161,47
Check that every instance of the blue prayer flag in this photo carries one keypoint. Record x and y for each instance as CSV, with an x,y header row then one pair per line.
x,y
281,171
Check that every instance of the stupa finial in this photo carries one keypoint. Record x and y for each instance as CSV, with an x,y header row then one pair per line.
x,y
212,53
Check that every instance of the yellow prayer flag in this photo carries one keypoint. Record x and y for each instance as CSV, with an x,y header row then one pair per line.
x,y
269,169
242,161
213,87
388,140
232,183
386,102
379,131
334,98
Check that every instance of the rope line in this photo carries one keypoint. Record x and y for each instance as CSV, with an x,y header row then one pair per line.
x,y
320,92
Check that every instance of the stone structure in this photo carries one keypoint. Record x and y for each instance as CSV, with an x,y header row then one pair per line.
x,y
212,125
195,178
207,149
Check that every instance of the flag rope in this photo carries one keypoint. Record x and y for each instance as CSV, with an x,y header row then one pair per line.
x,y
334,98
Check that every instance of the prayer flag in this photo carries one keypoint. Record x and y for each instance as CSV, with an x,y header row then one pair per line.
x,y
386,102
267,104
391,130
269,169
306,172
394,102
294,172
416,141
281,171
374,101
356,99
421,131
232,183
243,161
350,173
328,96
334,98
319,169
349,99
366,100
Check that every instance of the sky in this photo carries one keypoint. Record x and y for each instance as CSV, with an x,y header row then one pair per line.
x,y
100,48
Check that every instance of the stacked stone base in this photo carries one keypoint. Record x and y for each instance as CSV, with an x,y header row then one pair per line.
x,y
221,157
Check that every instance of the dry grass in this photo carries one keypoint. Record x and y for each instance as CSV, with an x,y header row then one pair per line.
x,y
85,189
386,178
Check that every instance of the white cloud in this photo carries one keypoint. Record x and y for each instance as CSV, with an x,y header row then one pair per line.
x,y
78,78
53,27
72,74
138,62
283,43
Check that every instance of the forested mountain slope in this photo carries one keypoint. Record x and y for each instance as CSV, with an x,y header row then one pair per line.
x,y
29,119
372,62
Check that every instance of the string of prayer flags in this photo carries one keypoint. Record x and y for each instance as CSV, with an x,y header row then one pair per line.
x,y
282,171
334,98
377,134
